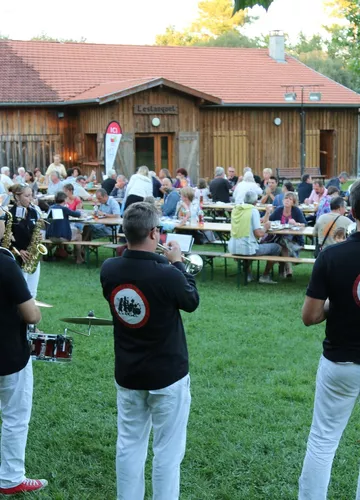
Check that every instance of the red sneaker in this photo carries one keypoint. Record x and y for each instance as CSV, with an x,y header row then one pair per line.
x,y
26,485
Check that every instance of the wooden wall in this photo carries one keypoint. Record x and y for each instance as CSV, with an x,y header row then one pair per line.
x,y
29,137
244,137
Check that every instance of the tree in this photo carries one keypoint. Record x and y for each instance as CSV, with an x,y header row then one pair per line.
x,y
3,37
232,39
214,19
44,37
248,4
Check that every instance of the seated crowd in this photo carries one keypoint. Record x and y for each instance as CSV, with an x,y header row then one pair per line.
x,y
181,200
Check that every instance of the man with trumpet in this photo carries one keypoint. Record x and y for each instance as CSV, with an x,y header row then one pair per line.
x,y
17,308
146,292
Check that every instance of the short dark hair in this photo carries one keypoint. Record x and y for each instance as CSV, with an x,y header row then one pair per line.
x,y
305,177
274,178
102,191
60,197
69,187
182,171
139,219
31,175
355,200
337,203
319,182
333,189
289,186
69,172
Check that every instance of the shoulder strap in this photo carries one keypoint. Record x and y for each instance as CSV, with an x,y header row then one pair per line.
x,y
327,234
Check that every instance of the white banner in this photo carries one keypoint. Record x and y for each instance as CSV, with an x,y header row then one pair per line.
x,y
113,136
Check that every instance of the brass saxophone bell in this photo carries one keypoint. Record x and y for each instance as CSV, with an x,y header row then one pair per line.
x,y
42,249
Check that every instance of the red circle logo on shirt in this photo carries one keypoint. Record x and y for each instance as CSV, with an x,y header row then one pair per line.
x,y
356,291
130,306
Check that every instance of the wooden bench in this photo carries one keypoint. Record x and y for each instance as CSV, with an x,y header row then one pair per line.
x,y
90,247
295,173
242,261
208,258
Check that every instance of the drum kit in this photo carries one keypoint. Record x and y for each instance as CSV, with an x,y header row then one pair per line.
x,y
58,348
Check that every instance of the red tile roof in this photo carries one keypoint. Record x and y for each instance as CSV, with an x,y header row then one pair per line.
x,y
53,72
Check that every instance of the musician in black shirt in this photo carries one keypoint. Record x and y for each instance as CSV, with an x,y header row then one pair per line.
x,y
16,379
333,295
146,293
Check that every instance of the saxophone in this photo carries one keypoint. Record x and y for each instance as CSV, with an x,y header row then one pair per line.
x,y
36,249
7,238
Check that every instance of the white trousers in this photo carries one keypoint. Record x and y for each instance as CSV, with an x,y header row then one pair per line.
x,y
337,388
167,412
16,401
32,281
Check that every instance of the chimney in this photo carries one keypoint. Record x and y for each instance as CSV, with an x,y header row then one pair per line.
x,y
277,46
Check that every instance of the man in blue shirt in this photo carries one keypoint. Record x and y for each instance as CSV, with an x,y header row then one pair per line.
x,y
171,198
337,181
108,207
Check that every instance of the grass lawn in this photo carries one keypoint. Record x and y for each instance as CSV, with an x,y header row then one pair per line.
x,y
253,367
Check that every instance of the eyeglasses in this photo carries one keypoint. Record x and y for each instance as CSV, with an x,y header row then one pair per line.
x,y
156,227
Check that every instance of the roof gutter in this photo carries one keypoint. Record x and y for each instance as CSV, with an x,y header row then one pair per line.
x,y
45,103
279,105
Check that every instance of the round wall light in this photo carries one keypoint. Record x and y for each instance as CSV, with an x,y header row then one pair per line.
x,y
155,122
277,121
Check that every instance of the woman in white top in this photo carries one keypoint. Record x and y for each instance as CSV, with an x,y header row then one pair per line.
x,y
202,190
140,186
247,184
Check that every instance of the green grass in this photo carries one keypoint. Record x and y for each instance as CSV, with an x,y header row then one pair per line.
x,y
253,368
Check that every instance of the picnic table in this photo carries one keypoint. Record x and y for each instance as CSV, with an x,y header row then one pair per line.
x,y
113,222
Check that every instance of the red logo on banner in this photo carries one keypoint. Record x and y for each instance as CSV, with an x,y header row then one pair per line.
x,y
113,128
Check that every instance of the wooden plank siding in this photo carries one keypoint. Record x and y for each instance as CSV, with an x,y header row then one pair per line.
x,y
276,146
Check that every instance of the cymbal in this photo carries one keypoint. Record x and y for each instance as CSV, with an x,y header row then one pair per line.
x,y
42,304
88,320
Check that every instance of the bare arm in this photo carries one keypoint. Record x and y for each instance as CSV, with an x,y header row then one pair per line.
x,y
259,233
29,312
314,311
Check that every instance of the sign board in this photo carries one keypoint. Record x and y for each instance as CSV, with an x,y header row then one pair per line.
x,y
112,140
155,109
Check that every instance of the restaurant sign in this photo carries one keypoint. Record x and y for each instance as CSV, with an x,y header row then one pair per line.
x,y
155,109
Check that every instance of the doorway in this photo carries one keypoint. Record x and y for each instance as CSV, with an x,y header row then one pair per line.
x,y
328,153
155,151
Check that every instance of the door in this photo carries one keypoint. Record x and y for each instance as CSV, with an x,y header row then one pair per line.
x,y
328,153
91,148
155,151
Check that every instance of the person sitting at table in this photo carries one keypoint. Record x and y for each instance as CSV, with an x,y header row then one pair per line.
x,y
330,222
290,214
59,229
324,204
267,173
120,187
108,208
270,191
71,178
164,172
109,183
171,198
304,188
56,166
182,179
39,177
203,191
247,184
80,189
220,187
55,184
317,193
73,202
31,181
5,178
139,186
232,178
338,181
187,210
246,230
279,198
20,178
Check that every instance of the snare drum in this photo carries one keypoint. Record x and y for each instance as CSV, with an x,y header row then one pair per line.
x,y
47,347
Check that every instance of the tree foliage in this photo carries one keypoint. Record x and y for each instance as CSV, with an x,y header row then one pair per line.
x,y
247,4
44,37
214,19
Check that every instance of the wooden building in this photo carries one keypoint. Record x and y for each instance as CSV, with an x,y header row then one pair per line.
x,y
191,107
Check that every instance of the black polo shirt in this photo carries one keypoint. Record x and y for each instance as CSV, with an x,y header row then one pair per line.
x,y
219,189
145,294
22,228
14,348
108,185
336,275
304,191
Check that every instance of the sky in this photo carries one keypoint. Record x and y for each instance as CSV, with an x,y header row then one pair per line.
x,y
139,21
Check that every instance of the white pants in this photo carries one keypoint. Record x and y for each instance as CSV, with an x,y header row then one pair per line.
x,y
337,388
32,281
167,411
16,401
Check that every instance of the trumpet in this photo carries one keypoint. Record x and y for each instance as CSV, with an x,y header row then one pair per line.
x,y
193,263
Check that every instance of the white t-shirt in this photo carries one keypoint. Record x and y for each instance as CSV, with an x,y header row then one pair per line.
x,y
244,187
247,245
140,185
